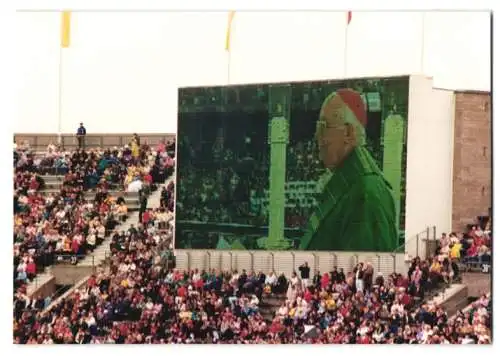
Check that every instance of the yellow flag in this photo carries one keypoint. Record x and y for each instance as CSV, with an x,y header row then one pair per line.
x,y
228,31
65,28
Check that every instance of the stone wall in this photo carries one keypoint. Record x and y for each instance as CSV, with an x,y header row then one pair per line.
x,y
472,158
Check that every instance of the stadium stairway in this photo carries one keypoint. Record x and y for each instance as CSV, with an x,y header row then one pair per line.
x,y
155,198
64,274
53,184
452,298
45,282
270,304
101,253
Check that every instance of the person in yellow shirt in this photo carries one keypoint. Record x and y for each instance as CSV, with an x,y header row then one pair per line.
x,y
18,221
134,147
124,283
455,250
330,303
122,211
435,267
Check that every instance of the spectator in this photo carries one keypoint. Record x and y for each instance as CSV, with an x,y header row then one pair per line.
x,y
304,275
81,132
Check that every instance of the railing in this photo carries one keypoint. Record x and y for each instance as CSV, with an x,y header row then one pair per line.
x,y
68,141
286,261
422,244
45,265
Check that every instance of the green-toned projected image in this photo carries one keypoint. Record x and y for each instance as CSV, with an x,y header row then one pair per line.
x,y
307,166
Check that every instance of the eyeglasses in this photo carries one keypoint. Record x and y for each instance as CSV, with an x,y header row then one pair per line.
x,y
322,124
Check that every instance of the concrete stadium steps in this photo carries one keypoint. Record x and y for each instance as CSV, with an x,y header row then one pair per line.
x,y
270,304
154,200
131,199
452,298
43,285
102,252
44,282
54,190
114,193
52,179
52,186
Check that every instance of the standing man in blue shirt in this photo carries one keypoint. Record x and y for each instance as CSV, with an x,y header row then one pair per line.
x,y
80,135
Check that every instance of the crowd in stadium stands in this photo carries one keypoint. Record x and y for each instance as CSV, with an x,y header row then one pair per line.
x,y
111,300
470,248
141,300
57,225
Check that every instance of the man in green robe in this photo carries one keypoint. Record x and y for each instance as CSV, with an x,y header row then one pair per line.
x,y
356,210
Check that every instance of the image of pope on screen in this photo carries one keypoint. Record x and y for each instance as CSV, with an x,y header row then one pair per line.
x,y
356,209
293,166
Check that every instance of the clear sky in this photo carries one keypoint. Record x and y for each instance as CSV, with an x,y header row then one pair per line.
x,y
123,69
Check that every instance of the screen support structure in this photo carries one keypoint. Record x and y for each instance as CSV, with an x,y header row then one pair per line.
x,y
278,139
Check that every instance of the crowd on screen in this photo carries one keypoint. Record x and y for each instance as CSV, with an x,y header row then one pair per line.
x,y
233,188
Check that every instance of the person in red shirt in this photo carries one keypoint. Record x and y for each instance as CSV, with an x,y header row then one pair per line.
x,y
405,299
161,147
75,246
34,184
91,283
146,217
31,269
325,280
199,284
181,291
472,251
276,327
307,295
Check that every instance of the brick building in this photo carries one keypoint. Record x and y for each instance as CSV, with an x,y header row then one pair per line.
x,y
472,165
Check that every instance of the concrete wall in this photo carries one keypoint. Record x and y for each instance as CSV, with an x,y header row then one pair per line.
x,y
429,159
46,289
472,158
41,141
69,274
286,262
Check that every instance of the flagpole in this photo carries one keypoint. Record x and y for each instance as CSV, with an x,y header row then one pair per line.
x,y
422,49
346,37
345,50
59,109
228,67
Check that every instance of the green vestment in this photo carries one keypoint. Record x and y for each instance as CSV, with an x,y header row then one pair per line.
x,y
356,209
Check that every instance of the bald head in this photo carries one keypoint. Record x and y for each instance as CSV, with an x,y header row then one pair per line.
x,y
341,126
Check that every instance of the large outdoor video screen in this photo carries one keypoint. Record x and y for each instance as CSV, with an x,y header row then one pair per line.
x,y
306,166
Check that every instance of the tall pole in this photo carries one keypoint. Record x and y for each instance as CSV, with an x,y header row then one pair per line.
x,y
228,67
59,109
422,49
345,50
